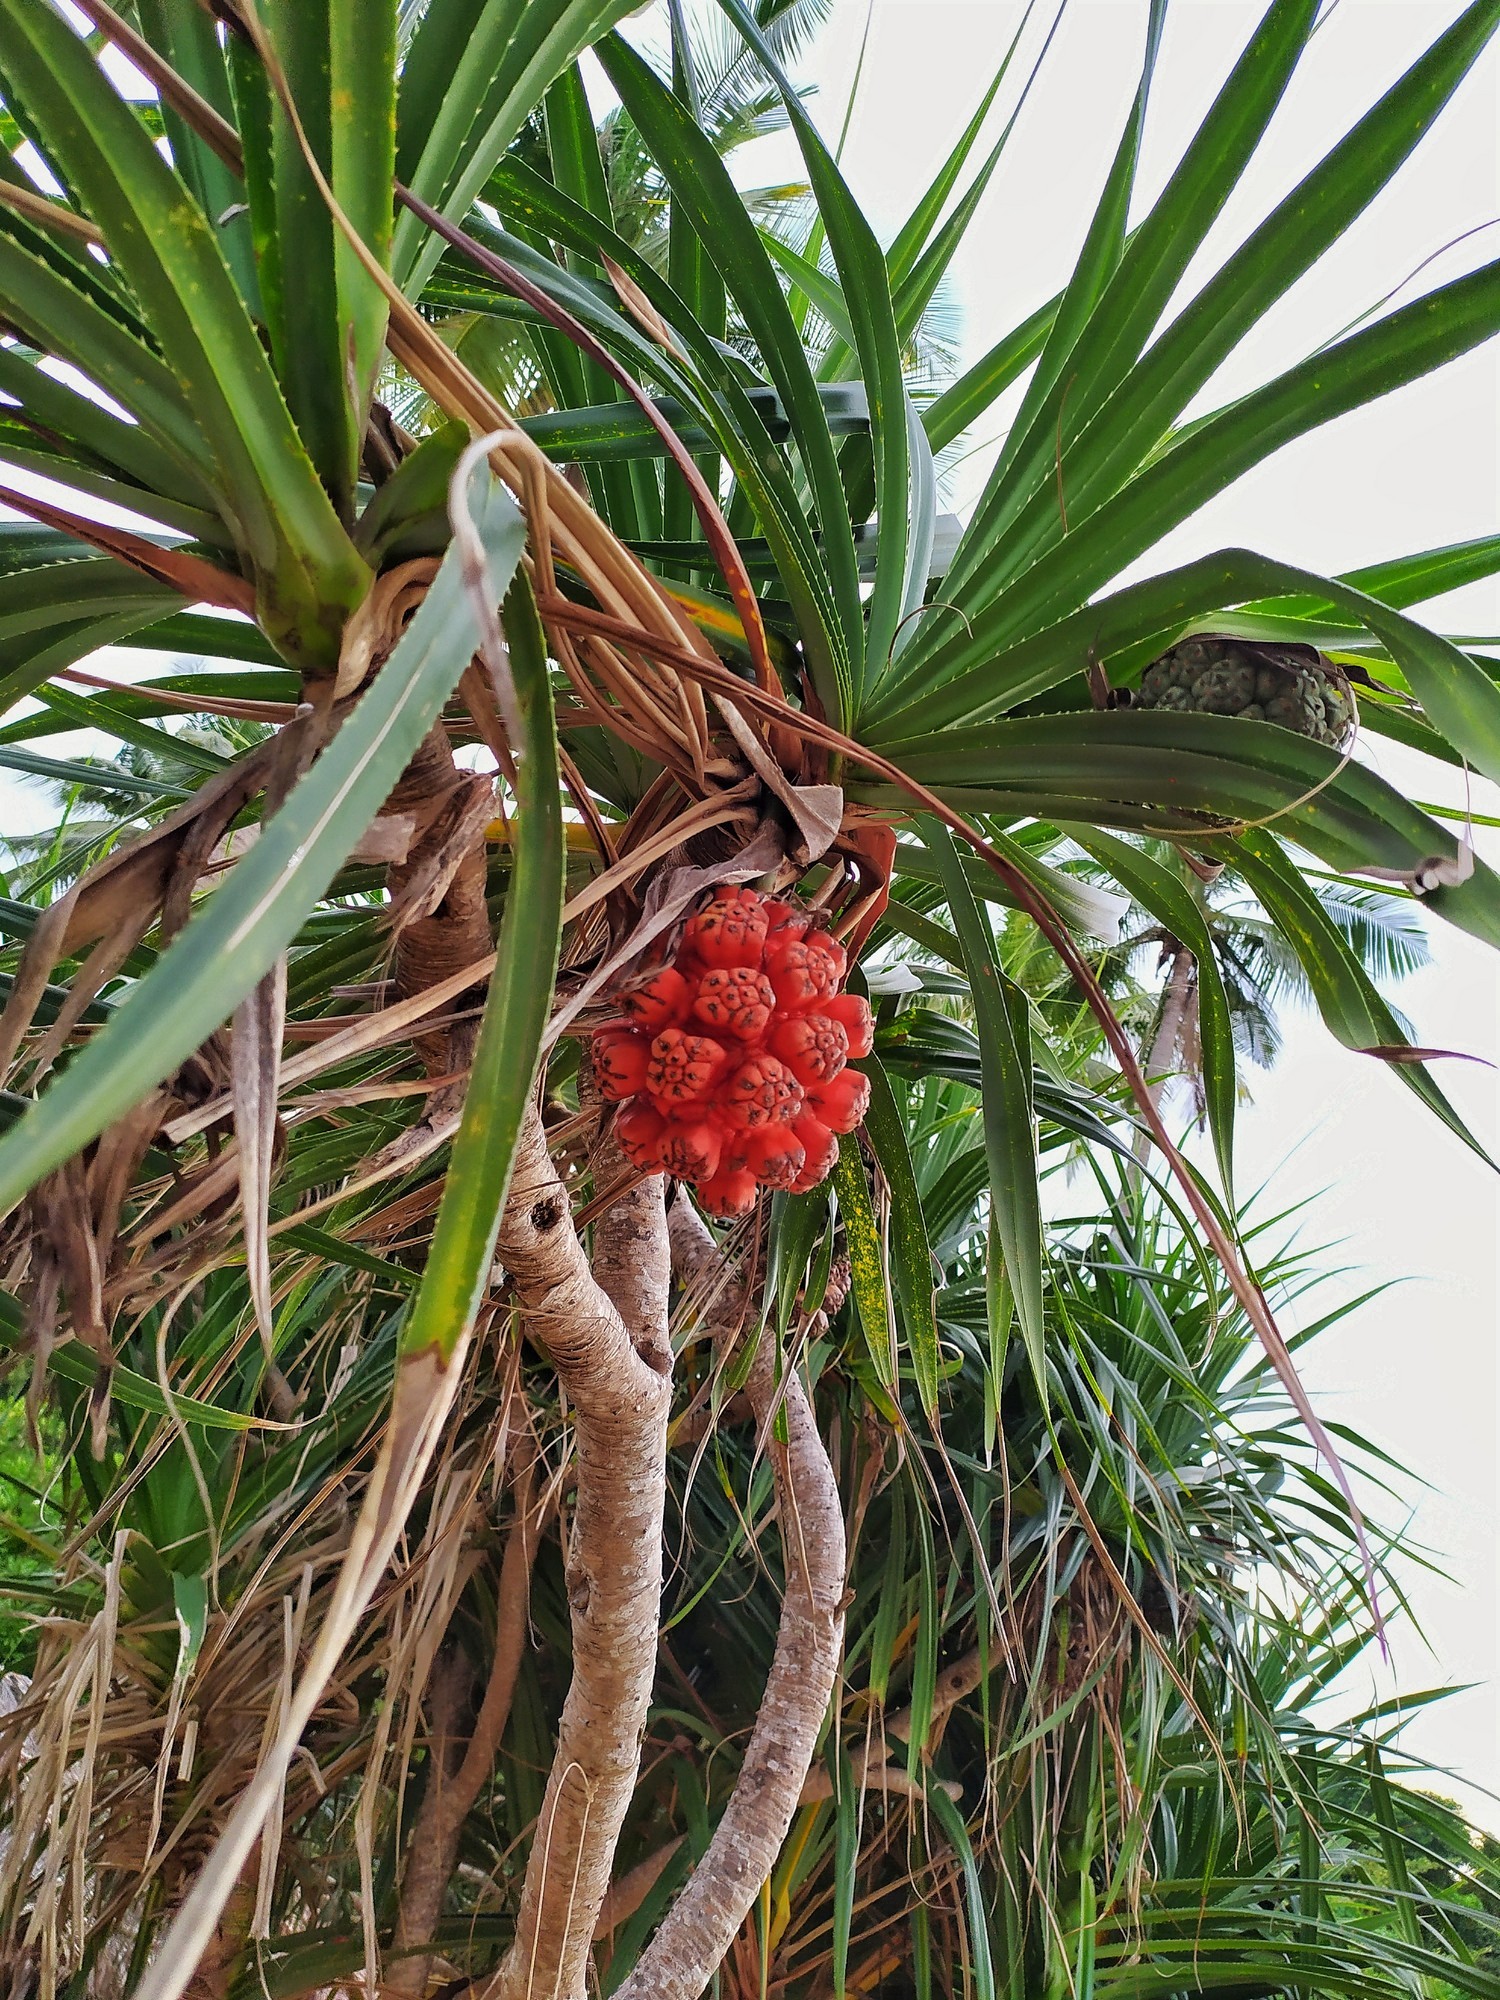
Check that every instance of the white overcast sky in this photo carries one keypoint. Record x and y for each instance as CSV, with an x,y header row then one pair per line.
x,y
1416,1370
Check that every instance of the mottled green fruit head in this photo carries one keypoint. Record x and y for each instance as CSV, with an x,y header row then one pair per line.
x,y
1209,674
1226,689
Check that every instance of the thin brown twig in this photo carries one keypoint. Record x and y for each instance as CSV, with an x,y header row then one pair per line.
x,y
247,711
433,1850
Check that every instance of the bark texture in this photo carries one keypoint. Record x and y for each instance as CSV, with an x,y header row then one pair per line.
x,y
1164,1058
698,1930
607,1339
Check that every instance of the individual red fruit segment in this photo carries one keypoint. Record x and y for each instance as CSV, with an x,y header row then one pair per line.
x,y
736,1001
681,1067
690,1151
620,1063
639,1131
799,974
854,1017
773,1153
662,1001
760,1092
821,1151
728,1195
833,956
813,1047
730,929
842,1101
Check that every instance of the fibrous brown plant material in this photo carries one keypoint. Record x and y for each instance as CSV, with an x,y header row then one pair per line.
x,y
605,1331
699,1929
433,1852
213,1976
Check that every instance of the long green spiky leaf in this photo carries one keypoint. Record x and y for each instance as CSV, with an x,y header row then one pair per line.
x,y
23,447
1312,217
61,411
473,73
627,500
1151,265
866,287
923,251
1009,1119
326,317
1181,774
1154,393
916,233
1400,349
981,385
184,35
733,413
701,182
1100,256
240,932
951,1820
53,616
457,1272
362,152
1458,696
74,1363
62,321
1171,902
1347,997
693,277
1413,579
910,1251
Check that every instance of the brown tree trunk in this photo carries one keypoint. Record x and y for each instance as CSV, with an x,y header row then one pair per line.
x,y
701,1925
605,1331
1159,1058
1156,1062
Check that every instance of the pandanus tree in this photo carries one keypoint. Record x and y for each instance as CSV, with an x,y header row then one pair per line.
x,y
364,1233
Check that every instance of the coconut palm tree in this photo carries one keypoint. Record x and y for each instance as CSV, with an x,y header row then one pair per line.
x,y
366,1318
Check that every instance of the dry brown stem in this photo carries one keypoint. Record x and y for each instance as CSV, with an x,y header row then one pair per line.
x,y
606,1335
701,1925
433,1852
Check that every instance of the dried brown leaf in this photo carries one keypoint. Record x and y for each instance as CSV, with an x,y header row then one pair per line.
x,y
640,307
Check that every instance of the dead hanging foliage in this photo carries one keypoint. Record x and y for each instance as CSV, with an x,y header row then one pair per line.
x,y
121,1767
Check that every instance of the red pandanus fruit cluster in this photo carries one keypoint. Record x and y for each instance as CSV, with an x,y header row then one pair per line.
x,y
729,1064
